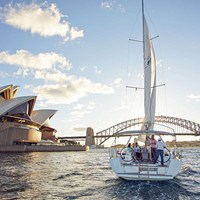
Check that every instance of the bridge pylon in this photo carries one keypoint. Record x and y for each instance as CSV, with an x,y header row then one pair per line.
x,y
89,137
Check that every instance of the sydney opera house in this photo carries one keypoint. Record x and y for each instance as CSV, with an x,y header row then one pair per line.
x,y
23,129
19,122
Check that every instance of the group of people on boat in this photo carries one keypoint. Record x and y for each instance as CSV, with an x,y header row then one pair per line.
x,y
136,149
150,152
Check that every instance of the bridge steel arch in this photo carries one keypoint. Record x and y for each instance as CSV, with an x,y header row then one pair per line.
x,y
187,127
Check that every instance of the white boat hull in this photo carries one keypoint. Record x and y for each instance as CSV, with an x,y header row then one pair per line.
x,y
144,170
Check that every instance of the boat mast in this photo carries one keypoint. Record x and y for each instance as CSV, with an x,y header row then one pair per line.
x,y
145,125
143,31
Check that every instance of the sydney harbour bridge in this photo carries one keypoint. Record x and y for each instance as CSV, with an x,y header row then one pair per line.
x,y
163,123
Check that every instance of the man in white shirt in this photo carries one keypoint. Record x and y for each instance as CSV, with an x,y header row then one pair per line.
x,y
159,151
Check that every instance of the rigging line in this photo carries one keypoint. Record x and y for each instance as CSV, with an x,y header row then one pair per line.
x,y
133,30
126,98
136,21
165,99
127,66
135,62
149,17
161,73
129,140
159,47
137,54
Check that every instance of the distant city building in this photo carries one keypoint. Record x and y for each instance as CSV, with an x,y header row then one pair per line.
x,y
19,123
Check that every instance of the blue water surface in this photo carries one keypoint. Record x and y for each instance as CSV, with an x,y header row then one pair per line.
x,y
87,175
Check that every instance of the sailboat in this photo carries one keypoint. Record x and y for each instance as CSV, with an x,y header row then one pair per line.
x,y
124,161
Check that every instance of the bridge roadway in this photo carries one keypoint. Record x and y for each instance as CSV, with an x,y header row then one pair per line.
x,y
180,126
103,136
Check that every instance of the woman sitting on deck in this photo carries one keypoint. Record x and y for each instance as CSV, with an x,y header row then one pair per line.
x,y
137,151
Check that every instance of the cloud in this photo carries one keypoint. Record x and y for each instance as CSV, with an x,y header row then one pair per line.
x,y
53,76
78,107
79,114
44,19
80,129
41,104
117,82
110,5
97,71
59,88
80,110
4,74
121,8
121,107
27,61
91,105
27,87
76,33
159,63
82,68
169,68
106,5
194,97
71,91
140,76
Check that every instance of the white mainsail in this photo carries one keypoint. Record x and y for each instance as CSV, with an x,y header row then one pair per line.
x,y
149,79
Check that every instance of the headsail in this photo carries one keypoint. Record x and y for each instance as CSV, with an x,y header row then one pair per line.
x,y
149,78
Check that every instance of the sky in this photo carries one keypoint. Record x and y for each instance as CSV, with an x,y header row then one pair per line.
x,y
76,57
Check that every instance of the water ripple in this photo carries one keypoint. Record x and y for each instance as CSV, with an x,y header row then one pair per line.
x,y
87,175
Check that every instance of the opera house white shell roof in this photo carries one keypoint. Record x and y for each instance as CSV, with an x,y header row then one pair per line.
x,y
11,104
8,91
42,116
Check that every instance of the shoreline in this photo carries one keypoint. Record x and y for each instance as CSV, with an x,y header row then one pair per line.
x,y
195,143
42,148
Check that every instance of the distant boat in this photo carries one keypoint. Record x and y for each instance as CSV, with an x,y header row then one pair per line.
x,y
123,161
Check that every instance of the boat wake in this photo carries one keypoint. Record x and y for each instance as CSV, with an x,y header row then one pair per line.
x,y
68,175
189,171
173,189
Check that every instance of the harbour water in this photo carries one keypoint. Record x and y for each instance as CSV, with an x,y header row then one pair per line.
x,y
87,175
